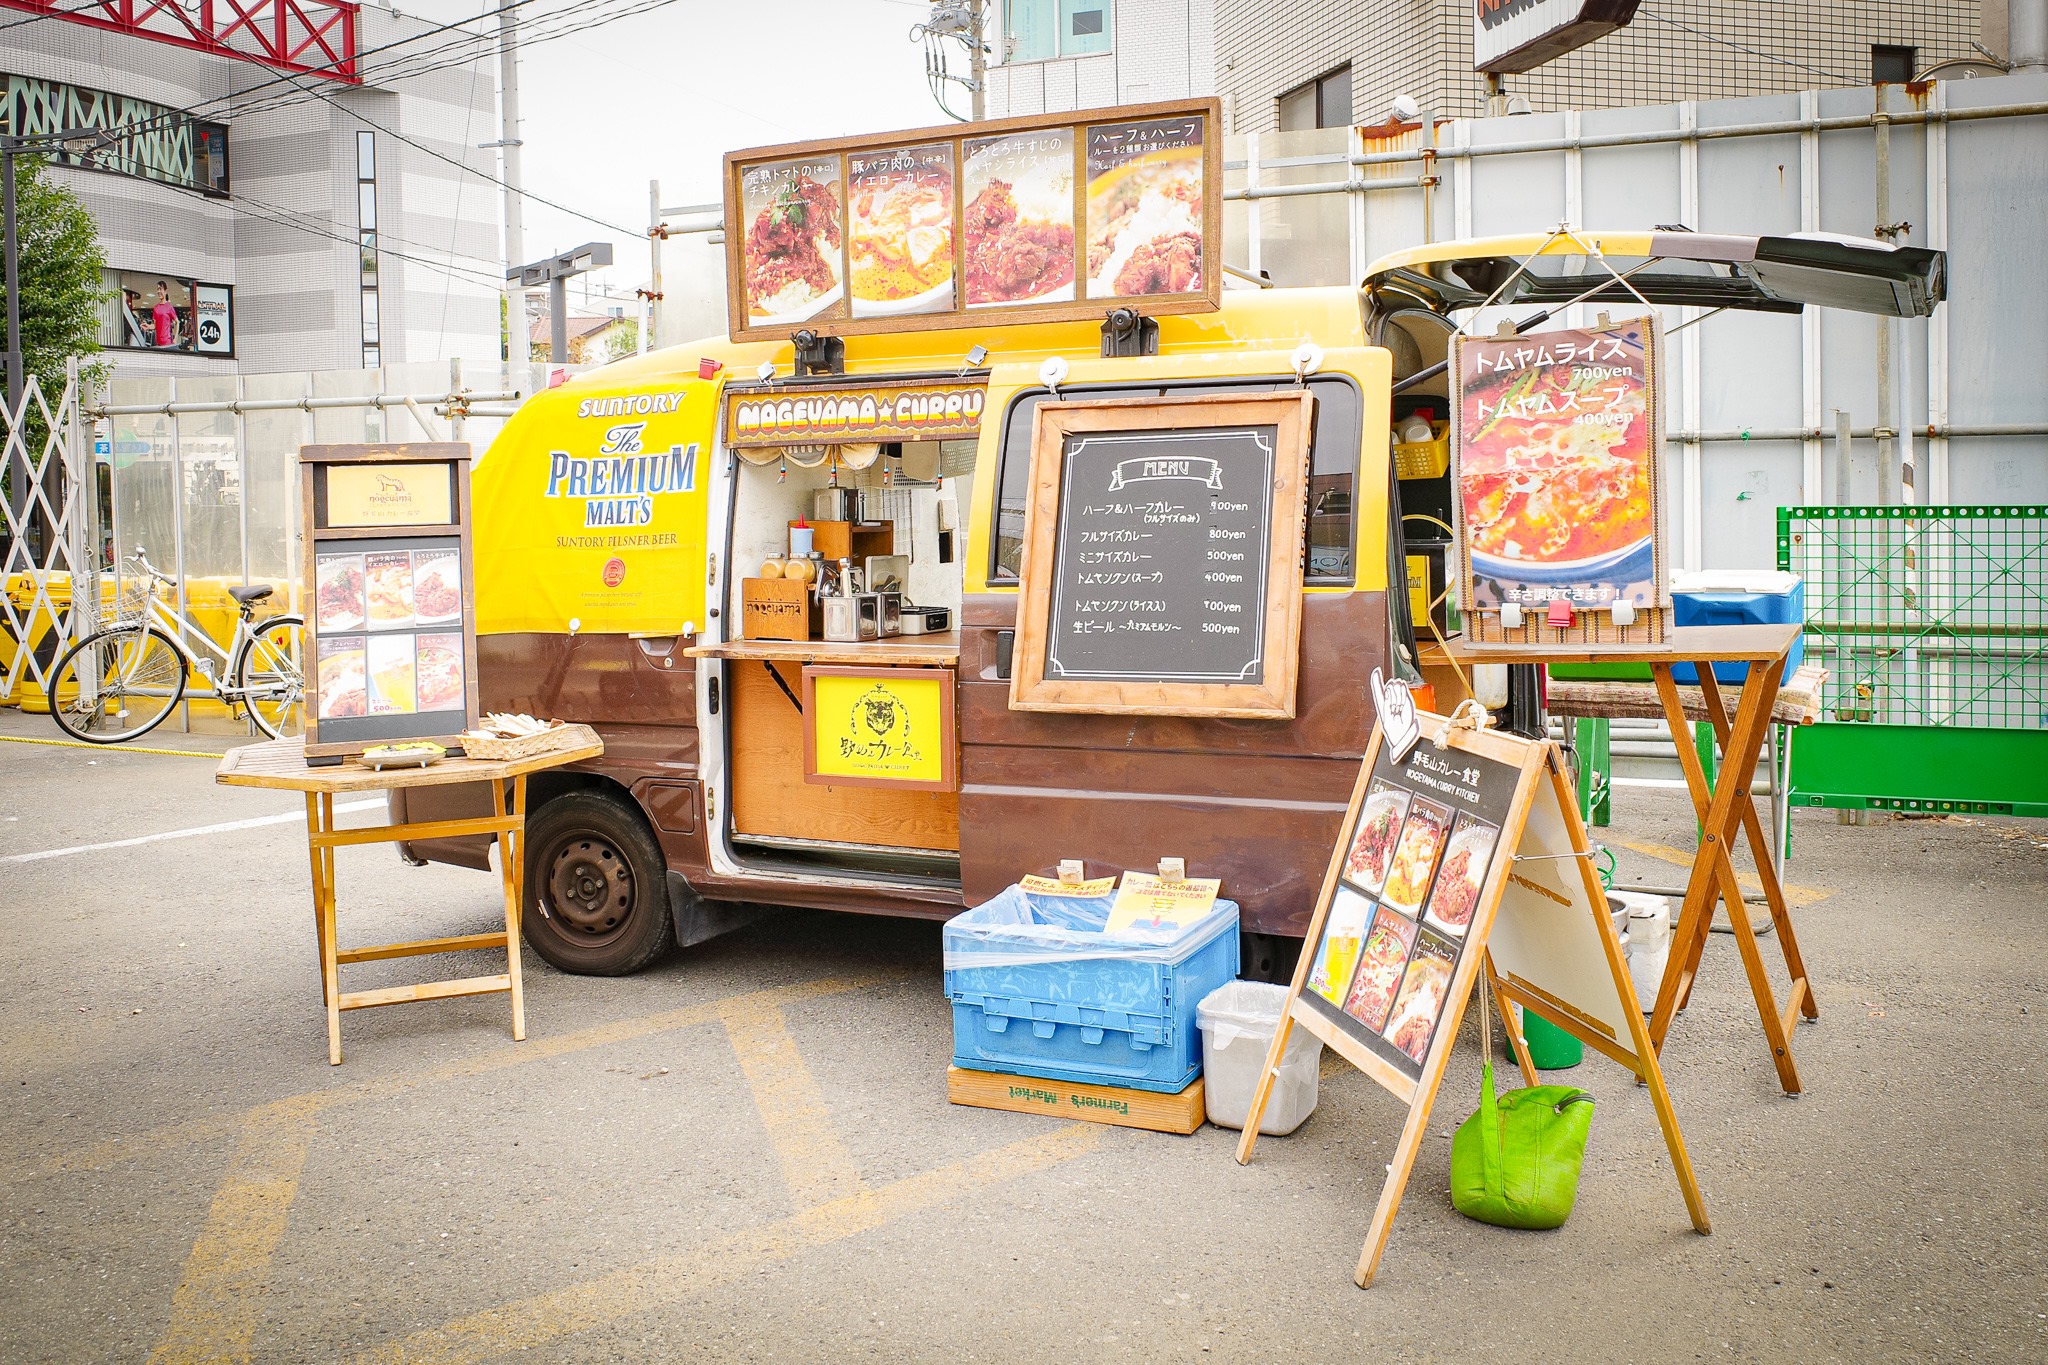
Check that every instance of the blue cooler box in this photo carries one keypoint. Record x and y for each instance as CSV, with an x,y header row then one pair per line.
x,y
1039,990
1738,597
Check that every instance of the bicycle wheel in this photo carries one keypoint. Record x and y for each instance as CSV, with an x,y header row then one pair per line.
x,y
271,678
134,676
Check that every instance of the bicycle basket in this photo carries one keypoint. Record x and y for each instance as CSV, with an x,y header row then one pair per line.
x,y
131,598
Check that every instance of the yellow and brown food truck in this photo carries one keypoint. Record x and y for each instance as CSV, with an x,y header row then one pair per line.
x,y
634,529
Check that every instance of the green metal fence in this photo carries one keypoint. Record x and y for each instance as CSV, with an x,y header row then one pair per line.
x,y
1933,625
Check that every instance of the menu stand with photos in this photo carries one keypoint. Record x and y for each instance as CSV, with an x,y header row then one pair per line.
x,y
389,579
1462,856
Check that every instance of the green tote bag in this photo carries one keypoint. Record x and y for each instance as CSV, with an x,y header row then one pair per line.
x,y
1516,1162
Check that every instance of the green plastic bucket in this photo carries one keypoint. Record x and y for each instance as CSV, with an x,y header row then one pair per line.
x,y
1550,1047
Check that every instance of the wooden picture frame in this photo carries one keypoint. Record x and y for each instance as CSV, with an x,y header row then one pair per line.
x,y
948,758
363,526
1205,299
1035,686
1559,956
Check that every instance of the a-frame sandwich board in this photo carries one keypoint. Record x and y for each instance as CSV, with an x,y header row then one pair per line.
x,y
1465,855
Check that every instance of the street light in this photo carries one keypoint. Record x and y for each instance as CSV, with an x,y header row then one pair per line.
x,y
78,142
554,272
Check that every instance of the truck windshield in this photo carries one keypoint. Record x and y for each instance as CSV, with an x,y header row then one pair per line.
x,y
1333,467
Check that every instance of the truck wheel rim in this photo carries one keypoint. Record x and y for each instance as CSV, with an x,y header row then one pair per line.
x,y
590,887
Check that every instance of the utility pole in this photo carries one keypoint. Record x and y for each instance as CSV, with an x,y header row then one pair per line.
x,y
516,345
977,57
657,231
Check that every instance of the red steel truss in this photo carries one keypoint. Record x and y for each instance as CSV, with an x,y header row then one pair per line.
x,y
316,37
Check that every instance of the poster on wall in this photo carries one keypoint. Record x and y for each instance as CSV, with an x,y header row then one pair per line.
x,y
1555,448
213,324
1043,217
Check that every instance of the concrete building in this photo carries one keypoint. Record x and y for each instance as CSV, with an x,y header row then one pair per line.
x,y
1053,55
291,221
1285,64
1290,64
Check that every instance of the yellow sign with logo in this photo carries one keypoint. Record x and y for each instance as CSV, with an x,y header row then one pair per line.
x,y
879,727
927,411
595,508
389,495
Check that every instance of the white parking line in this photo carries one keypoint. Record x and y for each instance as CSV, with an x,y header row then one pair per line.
x,y
229,826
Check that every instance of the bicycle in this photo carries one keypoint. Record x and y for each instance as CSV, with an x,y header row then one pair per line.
x,y
119,683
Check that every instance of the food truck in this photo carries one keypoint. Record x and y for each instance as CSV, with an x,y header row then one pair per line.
x,y
941,569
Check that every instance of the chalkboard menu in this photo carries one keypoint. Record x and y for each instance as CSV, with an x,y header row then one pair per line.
x,y
1162,569
388,576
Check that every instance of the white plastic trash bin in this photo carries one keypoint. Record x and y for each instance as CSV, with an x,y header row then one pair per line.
x,y
1238,1021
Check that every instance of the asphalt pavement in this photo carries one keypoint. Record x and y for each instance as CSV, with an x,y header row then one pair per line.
x,y
746,1152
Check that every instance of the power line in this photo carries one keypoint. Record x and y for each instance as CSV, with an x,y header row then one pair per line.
x,y
1750,51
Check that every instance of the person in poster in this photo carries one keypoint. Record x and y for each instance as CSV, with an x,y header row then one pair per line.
x,y
900,248
1019,223
1145,219
1556,445
794,256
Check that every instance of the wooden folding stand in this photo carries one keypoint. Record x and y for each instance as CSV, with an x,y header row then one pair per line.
x,y
1722,809
1539,934
281,764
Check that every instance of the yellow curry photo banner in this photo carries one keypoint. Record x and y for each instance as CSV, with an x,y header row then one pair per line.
x,y
879,727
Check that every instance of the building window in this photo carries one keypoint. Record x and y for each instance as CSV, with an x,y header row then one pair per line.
x,y
1037,30
210,157
1324,102
156,141
366,236
146,311
1892,65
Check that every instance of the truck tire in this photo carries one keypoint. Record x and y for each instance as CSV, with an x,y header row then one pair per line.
x,y
596,886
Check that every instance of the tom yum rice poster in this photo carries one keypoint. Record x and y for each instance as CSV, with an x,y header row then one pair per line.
x,y
1557,440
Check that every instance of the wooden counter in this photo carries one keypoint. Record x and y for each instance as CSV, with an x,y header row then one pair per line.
x,y
903,651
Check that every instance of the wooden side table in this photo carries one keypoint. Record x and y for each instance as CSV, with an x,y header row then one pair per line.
x,y
1723,810
281,764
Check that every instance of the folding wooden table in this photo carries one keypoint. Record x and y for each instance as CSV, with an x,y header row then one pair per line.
x,y
281,764
1722,809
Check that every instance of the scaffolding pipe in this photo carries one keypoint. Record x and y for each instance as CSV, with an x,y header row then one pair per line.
x,y
375,400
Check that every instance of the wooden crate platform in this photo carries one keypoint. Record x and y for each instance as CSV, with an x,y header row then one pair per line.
x,y
1148,1109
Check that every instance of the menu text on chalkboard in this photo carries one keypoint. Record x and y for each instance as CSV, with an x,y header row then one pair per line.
x,y
1163,550
1162,556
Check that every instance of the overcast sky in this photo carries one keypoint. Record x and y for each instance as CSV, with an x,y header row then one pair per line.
x,y
664,95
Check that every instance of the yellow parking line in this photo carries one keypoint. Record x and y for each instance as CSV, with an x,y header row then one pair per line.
x,y
129,1148
636,1290
219,1299
111,748
1795,896
816,1167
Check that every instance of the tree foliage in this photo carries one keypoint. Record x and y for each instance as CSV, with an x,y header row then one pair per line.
x,y
62,270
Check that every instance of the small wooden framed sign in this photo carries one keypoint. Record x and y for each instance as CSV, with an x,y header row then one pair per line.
x,y
1162,556
1465,859
880,727
389,580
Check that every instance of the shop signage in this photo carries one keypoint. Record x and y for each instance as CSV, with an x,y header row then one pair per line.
x,y
1554,449
1023,219
879,727
1463,864
853,413
213,328
601,524
1162,562
1521,35
391,634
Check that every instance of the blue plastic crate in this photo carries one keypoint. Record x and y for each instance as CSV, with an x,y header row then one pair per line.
x,y
1739,598
1038,990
